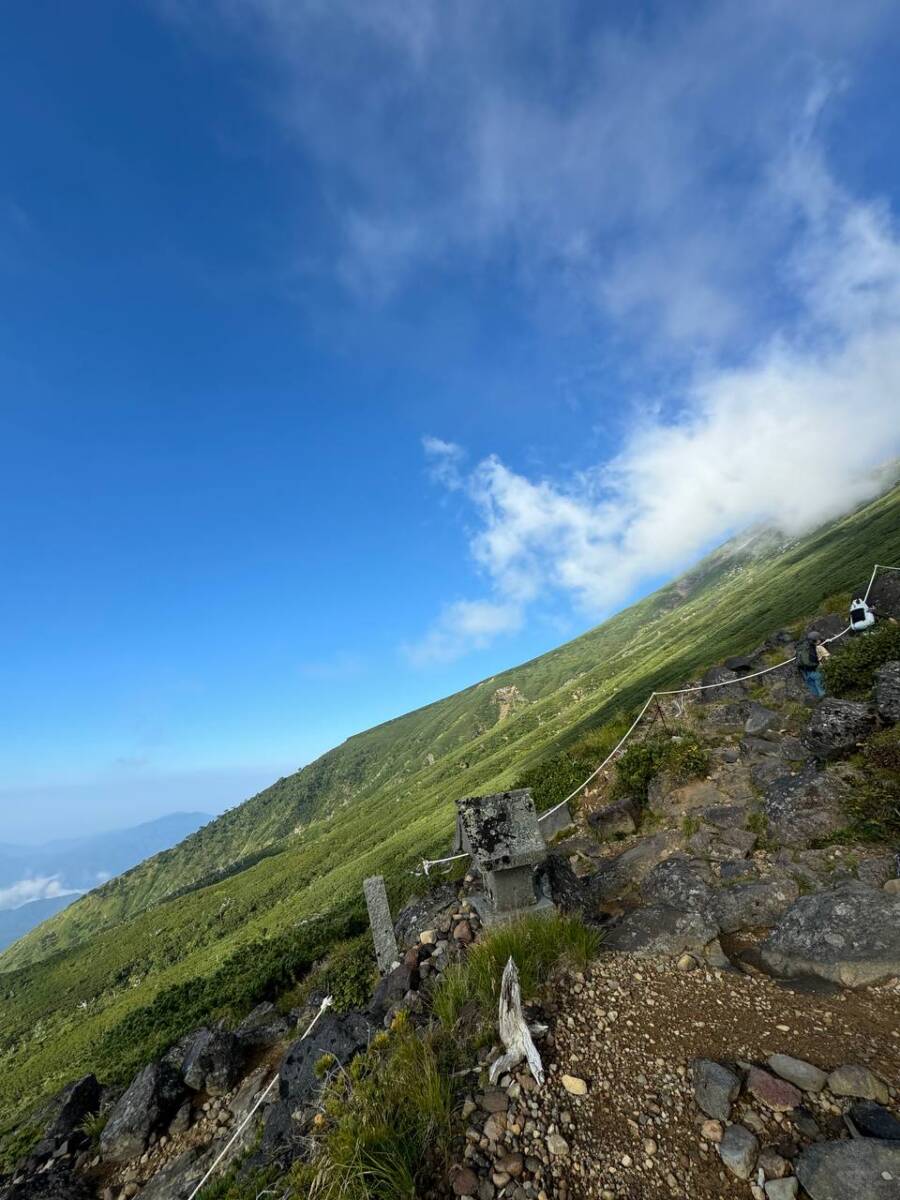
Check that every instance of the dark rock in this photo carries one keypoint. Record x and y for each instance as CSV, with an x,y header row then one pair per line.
x,y
340,1034
806,1123
715,1088
759,719
181,1122
146,1107
724,677
849,934
726,716
738,1150
860,1169
754,905
873,1120
829,625
800,808
675,883
731,841
282,1139
756,747
877,871
75,1102
391,988
61,1183
659,929
212,1061
837,726
793,751
264,1026
556,878
887,692
615,820
884,594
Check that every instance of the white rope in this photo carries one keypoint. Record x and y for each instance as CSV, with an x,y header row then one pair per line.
x,y
326,1003
428,863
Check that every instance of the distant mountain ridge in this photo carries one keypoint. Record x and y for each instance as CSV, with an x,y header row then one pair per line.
x,y
38,881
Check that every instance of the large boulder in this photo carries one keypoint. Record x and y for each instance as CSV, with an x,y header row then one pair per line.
x,y
264,1026
849,934
884,594
675,883
660,929
838,726
75,1102
393,986
212,1061
754,905
887,692
178,1178
147,1105
857,1169
627,869
802,807
341,1035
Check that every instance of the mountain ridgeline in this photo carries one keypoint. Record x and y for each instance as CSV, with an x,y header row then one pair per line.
x,y
191,932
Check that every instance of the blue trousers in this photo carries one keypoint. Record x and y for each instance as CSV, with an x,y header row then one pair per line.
x,y
815,682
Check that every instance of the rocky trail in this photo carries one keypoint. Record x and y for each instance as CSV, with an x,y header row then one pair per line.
x,y
738,1033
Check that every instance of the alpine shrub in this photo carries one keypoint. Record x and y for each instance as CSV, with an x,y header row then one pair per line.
x,y
851,669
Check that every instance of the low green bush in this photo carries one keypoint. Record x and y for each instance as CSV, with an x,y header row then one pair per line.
x,y
15,1144
681,755
348,974
555,777
850,670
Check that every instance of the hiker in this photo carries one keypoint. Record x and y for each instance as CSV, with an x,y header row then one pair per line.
x,y
862,616
811,653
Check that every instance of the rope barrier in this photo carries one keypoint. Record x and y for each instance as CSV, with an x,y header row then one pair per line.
x,y
326,1003
428,863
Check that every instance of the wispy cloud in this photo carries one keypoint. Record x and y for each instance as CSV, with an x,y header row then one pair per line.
x,y
789,437
43,887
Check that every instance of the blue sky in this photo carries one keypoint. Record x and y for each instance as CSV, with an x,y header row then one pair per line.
x,y
350,353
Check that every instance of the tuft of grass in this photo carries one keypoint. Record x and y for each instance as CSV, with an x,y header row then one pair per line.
x,y
882,750
681,756
387,1122
537,945
851,669
93,1125
347,973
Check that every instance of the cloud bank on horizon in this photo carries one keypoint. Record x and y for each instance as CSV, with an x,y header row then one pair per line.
x,y
668,178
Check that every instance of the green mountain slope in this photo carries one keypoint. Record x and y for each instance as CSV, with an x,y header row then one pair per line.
x,y
131,965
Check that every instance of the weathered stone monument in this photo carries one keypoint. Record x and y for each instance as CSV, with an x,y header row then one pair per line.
x,y
382,926
506,845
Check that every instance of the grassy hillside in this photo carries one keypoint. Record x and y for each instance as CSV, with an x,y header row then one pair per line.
x,y
126,968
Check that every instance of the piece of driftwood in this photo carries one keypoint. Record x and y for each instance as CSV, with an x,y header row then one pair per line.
x,y
514,1031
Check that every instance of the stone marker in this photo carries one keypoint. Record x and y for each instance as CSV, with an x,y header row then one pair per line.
x,y
382,926
506,845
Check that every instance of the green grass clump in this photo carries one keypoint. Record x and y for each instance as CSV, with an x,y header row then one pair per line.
x,y
555,777
536,944
238,1184
850,672
93,1125
387,1122
348,974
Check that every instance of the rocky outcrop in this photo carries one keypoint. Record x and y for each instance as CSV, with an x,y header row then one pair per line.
x,y
849,934
75,1102
800,808
146,1107
58,1184
341,1035
864,1169
729,691
264,1026
887,692
838,726
615,820
660,929
212,1061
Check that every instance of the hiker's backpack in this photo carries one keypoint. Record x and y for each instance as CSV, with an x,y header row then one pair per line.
x,y
807,659
861,616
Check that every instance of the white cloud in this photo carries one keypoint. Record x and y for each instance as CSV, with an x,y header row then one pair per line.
x,y
444,462
39,887
463,626
790,437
